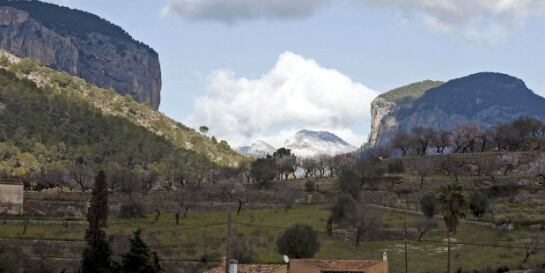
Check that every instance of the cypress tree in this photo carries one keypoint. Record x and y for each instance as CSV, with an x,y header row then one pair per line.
x,y
97,255
140,258
98,210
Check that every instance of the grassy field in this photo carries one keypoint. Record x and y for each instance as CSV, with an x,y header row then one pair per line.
x,y
204,233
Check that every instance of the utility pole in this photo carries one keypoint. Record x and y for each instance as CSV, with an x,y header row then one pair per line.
x,y
406,256
228,244
448,251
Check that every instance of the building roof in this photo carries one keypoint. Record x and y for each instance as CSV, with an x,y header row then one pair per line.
x,y
341,265
253,268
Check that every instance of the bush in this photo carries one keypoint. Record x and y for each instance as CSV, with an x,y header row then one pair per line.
x,y
478,203
134,210
396,167
63,79
343,210
4,61
244,254
25,66
299,241
428,204
310,186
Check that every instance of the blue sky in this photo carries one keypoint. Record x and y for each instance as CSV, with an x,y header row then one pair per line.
x,y
262,72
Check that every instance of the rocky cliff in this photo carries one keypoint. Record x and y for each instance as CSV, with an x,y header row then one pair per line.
x,y
385,107
81,44
482,98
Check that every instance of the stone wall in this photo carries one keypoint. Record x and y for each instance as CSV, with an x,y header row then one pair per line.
x,y
11,199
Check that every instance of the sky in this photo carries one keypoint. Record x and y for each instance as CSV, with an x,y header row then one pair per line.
x,y
263,69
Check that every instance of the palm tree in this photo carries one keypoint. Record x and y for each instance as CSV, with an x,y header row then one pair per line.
x,y
453,207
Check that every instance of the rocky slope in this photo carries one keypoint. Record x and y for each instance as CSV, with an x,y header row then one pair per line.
x,y
482,98
306,143
81,44
258,149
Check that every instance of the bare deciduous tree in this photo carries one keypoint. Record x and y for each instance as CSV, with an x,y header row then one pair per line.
x,y
509,162
309,165
239,193
441,141
421,139
424,225
452,165
537,169
424,167
533,245
489,166
366,221
187,195
402,141
465,137
288,196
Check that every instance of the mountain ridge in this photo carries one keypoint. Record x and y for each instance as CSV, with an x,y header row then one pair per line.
x,y
484,98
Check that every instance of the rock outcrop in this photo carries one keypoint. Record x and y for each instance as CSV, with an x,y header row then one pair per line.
x,y
94,50
485,99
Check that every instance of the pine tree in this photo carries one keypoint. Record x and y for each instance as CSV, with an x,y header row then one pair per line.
x,y
97,254
140,258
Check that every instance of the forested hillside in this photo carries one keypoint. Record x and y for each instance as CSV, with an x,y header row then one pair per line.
x,y
52,121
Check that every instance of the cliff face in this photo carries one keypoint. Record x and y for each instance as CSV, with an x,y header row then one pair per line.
x,y
485,99
107,61
385,107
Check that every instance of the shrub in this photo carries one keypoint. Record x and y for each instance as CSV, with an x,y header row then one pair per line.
x,y
428,204
134,210
4,61
25,66
310,185
63,79
244,254
478,203
396,167
299,241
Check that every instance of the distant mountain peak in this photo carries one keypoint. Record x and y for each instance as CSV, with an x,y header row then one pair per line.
x,y
308,143
258,149
483,98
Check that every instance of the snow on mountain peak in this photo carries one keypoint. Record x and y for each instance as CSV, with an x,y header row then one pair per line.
x,y
307,143
258,149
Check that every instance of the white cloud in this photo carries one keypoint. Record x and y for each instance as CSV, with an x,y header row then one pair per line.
x,y
491,20
297,93
235,10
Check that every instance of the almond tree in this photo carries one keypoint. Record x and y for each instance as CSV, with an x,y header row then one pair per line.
x,y
366,221
537,169
421,139
402,141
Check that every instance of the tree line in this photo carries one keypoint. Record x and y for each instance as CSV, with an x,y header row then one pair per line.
x,y
520,134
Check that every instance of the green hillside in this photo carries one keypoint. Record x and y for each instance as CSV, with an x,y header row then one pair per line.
x,y
49,118
404,96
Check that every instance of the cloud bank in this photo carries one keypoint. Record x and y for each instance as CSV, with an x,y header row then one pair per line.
x,y
297,93
231,11
491,20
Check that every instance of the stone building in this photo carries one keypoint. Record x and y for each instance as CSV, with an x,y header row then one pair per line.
x,y
11,197
309,266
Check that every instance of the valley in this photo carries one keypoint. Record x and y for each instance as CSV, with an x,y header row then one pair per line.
x,y
116,159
